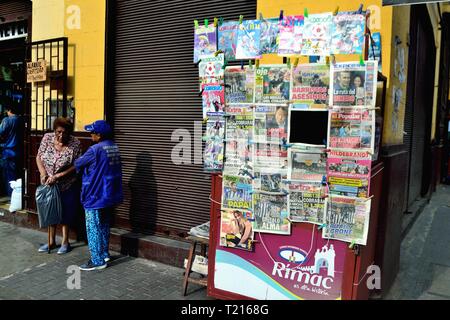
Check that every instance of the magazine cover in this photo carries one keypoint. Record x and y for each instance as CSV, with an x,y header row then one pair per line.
x,y
227,34
237,192
269,36
272,84
310,85
317,34
375,49
347,219
271,124
348,33
239,132
354,84
213,153
248,39
213,99
306,203
271,214
239,85
236,230
307,163
205,42
269,156
270,181
349,173
210,70
351,128
290,35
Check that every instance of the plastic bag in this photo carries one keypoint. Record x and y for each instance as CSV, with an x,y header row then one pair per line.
x,y
48,203
16,195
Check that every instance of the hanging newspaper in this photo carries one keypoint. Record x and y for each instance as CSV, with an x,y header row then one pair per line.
x,y
353,84
213,98
210,70
270,156
271,214
272,84
236,230
271,124
347,219
310,84
348,33
306,203
213,154
239,132
239,85
227,34
248,39
205,42
307,163
291,35
317,34
351,128
269,36
349,173
237,192
270,181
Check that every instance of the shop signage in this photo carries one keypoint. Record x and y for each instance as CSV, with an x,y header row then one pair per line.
x,y
37,71
403,2
13,30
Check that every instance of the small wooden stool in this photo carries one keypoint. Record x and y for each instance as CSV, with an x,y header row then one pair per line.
x,y
203,244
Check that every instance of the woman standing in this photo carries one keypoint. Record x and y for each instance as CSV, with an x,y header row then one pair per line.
x,y
55,158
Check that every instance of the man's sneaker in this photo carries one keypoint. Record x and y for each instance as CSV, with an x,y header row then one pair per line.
x,y
44,248
64,249
90,266
107,259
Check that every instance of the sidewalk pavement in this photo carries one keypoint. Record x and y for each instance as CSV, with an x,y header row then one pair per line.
x,y
425,254
27,274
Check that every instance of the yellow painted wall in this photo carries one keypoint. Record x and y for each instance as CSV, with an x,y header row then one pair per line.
x,y
83,22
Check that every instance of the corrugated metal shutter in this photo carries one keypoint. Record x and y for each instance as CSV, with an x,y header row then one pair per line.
x,y
17,8
156,92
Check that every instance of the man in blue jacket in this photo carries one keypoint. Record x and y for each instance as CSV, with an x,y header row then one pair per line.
x,y
101,190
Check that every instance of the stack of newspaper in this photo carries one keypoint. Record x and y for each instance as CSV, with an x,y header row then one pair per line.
x,y
201,231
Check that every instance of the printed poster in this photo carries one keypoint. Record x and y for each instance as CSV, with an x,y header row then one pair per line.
x,y
239,133
213,153
272,84
354,84
239,85
351,128
248,39
205,42
269,36
213,99
348,33
237,192
271,214
306,203
236,229
271,124
310,85
317,34
347,219
349,173
290,35
210,70
227,34
307,163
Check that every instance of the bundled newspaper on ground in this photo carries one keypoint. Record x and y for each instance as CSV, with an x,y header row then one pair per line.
x,y
201,231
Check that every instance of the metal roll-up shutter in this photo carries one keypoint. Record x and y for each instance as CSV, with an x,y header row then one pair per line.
x,y
156,93
14,8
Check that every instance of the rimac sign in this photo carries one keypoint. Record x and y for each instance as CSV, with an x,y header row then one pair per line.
x,y
406,2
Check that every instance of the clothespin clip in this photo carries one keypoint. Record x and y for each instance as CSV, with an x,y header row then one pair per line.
x,y
327,61
323,225
242,64
261,18
352,244
336,11
285,144
241,18
195,24
217,52
288,62
250,65
256,64
225,63
255,241
281,15
296,62
333,59
201,93
216,21
205,120
361,60
360,8
206,23
220,21
324,180
305,13
205,138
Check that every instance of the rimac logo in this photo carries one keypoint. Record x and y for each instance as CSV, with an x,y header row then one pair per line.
x,y
292,254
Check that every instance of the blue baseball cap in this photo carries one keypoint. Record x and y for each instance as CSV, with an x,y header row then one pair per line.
x,y
99,126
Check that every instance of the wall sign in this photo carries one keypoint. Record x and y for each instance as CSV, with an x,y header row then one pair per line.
x,y
13,30
36,71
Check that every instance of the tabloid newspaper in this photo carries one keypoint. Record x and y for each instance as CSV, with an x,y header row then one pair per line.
x,y
306,203
271,213
236,192
272,84
271,124
307,163
239,85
